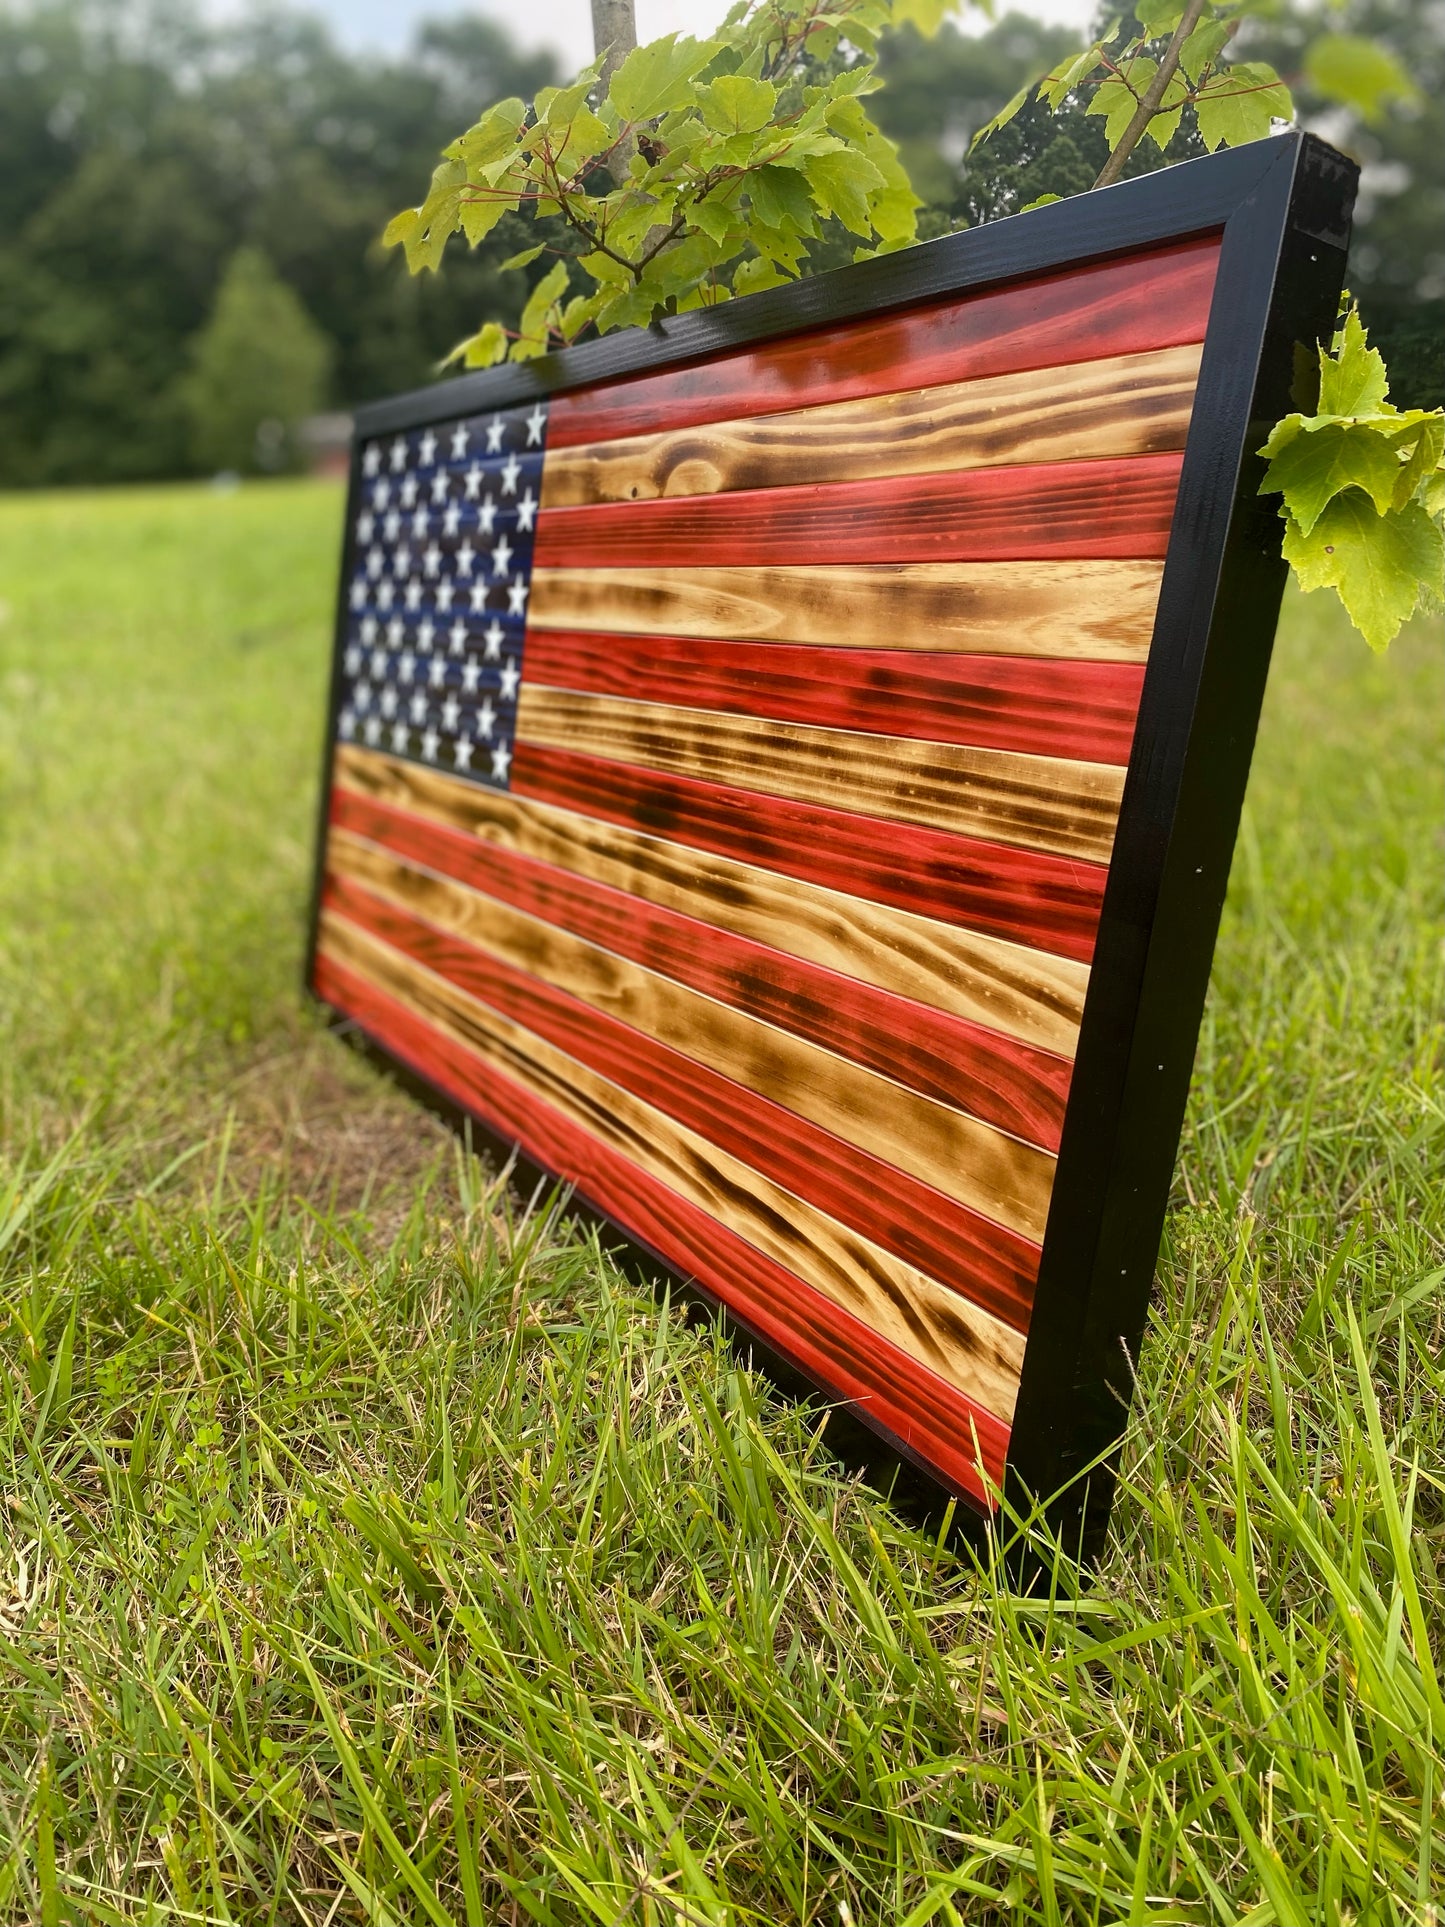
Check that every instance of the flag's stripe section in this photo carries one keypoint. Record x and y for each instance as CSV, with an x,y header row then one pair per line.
x,y
931,1232
995,1175
1155,300
1007,1083
831,1343
1043,803
979,979
934,875
1129,405
1076,509
1081,710
1090,611
975,1353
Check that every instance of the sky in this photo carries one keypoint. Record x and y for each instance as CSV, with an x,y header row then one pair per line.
x,y
384,26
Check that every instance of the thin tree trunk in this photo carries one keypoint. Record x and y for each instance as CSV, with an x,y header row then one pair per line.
x,y
1149,102
614,35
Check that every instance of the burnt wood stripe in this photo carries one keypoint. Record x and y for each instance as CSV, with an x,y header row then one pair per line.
x,y
995,1175
1002,1080
1090,611
1154,300
1042,803
970,1254
978,979
838,1349
1119,509
1127,405
977,1354
1081,710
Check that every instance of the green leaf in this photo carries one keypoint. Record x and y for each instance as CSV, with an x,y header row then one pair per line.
x,y
1424,460
1044,200
1316,466
1117,102
478,214
1378,565
1353,380
755,274
483,349
1158,17
583,136
714,216
1055,87
1203,47
841,184
927,15
1165,124
1002,118
557,105
659,76
534,327
780,199
1358,72
524,259
733,105
495,134
1240,103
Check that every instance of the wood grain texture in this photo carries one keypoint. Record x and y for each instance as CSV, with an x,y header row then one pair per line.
x,y
1154,300
983,1261
1049,804
977,1354
1082,710
836,1348
978,979
1002,1080
1090,611
1119,509
1126,405
995,1175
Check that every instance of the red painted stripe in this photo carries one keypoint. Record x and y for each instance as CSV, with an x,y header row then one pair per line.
x,y
1155,300
984,1262
930,1416
1004,1082
1045,902
1036,705
1120,508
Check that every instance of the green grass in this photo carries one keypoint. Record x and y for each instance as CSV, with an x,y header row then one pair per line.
x,y
373,1551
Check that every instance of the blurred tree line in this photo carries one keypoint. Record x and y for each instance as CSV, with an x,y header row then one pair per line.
x,y
189,212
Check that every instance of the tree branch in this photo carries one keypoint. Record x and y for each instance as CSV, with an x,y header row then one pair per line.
x,y
1153,96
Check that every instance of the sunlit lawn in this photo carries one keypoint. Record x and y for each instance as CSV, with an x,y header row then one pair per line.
x,y
373,1552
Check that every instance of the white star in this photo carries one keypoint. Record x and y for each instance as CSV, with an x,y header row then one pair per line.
x,y
466,556
438,672
419,523
398,455
418,708
375,561
486,719
502,556
378,663
372,732
362,695
452,520
487,516
388,702
536,422
462,751
457,635
526,513
395,632
365,523
517,597
511,676
451,713
385,595
425,630
439,485
492,636
406,668
430,744
402,564
353,659
380,493
473,480
459,442
348,724
408,491
471,675
428,449
399,734
501,757
479,597
445,592
413,594
368,630
511,475
432,560
496,429
371,461
391,527
358,593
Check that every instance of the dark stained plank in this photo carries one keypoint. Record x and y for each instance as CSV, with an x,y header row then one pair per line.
x,y
1155,300
1091,611
1044,803
974,1352
995,1175
1081,710
1120,509
980,980
1126,405
840,1350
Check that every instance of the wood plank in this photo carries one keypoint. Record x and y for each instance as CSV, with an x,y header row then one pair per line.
x,y
1042,803
829,1343
1082,710
984,1261
1000,1177
1092,611
979,979
1122,509
1153,300
1002,1080
978,1355
1126,405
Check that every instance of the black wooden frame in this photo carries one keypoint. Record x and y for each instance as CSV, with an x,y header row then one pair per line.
x,y
1283,207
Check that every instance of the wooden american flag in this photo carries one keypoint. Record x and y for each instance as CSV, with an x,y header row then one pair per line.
x,y
726,772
